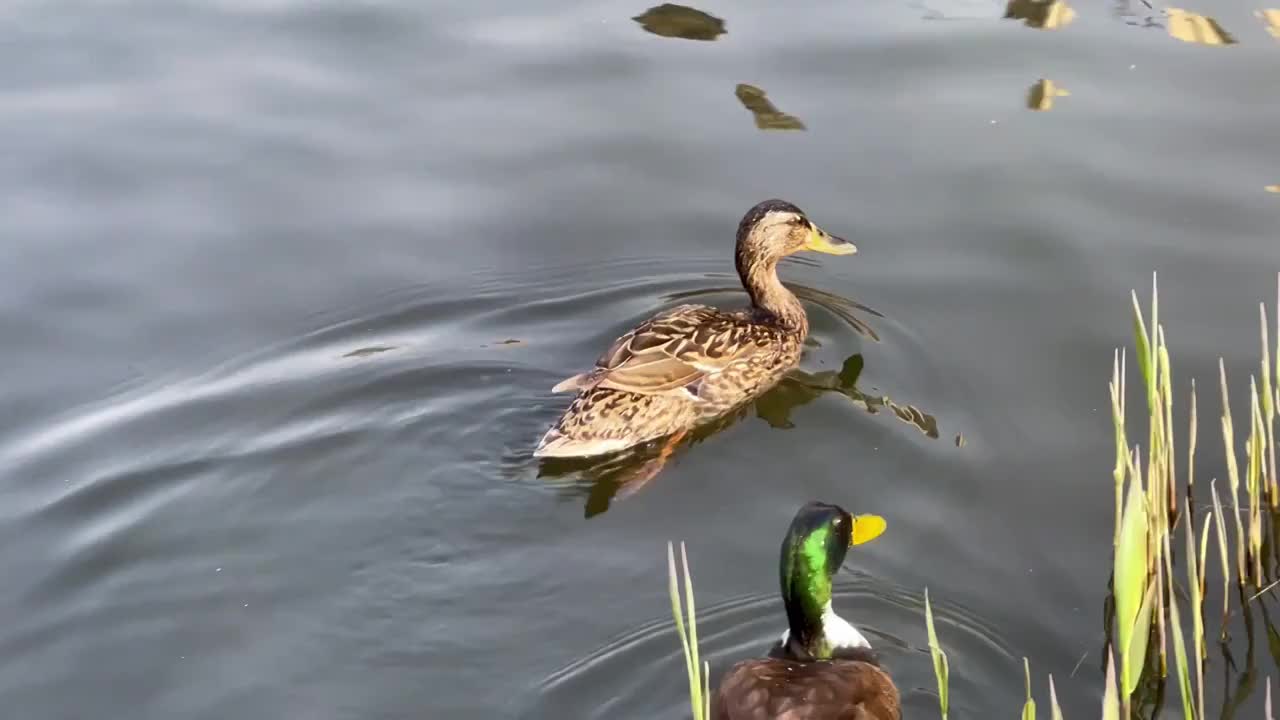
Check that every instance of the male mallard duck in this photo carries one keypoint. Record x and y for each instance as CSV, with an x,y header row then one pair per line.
x,y
822,668
693,363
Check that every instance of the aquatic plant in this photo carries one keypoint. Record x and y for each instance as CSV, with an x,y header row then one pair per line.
x,y
1145,615
940,667
1144,566
699,674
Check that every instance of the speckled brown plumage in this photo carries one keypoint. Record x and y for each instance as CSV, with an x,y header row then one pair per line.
x,y
780,689
682,367
692,363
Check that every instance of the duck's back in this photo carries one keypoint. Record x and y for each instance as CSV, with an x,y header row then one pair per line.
x,y
777,689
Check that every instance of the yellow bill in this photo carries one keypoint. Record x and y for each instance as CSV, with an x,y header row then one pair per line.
x,y
866,528
821,241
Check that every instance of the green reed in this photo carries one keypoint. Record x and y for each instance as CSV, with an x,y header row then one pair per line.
x,y
1144,584
1146,614
699,673
941,669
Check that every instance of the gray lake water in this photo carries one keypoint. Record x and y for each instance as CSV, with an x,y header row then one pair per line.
x,y
265,439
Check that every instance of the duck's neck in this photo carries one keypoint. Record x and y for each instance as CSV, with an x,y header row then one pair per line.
x,y
820,636
806,593
805,570
770,296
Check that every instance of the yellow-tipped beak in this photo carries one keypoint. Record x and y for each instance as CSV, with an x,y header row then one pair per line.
x,y
821,241
866,528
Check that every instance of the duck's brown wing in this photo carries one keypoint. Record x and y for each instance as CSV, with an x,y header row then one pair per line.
x,y
674,351
776,689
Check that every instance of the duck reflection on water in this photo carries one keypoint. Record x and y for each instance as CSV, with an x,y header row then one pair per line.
x,y
622,475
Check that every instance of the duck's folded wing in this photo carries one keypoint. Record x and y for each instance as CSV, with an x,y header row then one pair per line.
x,y
672,353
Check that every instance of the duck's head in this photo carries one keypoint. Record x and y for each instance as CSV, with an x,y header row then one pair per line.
x,y
774,229
812,551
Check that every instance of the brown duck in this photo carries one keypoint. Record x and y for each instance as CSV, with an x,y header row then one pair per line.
x,y
694,363
822,668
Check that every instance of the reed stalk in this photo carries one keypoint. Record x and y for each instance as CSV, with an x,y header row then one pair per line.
x,y
1144,583
1055,712
1233,472
1122,443
941,670
699,673
1111,695
1196,592
1028,708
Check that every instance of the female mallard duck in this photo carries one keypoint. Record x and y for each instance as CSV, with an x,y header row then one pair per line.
x,y
693,363
822,668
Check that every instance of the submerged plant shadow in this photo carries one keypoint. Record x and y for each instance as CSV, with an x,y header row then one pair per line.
x,y
618,476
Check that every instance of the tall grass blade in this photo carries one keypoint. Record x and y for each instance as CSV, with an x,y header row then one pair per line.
x,y
706,691
1253,480
1267,702
688,640
693,630
1110,697
1122,443
941,670
1144,354
1268,407
1168,461
1029,709
1233,472
1135,657
1180,659
1220,522
1191,445
1055,711
1159,585
1196,591
1130,575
